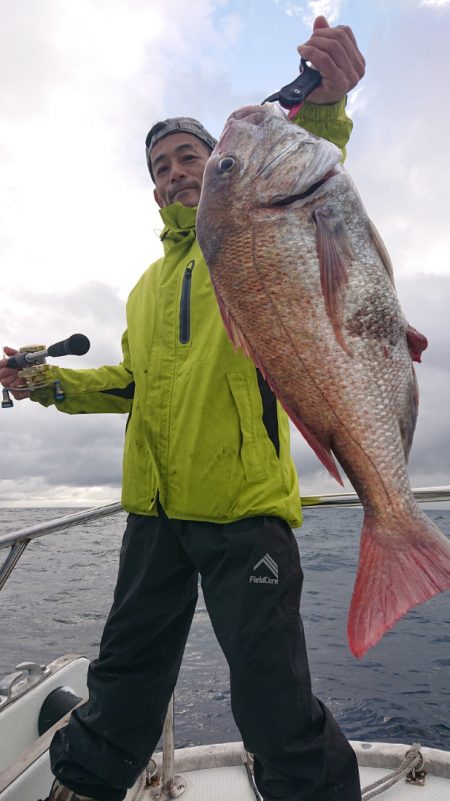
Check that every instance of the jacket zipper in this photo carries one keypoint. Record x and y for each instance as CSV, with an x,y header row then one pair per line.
x,y
185,304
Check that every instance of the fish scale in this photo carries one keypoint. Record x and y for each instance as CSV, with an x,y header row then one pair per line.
x,y
305,286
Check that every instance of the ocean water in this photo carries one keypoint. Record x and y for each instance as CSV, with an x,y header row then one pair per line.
x,y
58,597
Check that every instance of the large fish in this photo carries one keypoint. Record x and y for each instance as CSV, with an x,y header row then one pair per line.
x,y
305,287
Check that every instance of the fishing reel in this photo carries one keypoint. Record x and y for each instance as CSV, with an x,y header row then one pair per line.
x,y
33,369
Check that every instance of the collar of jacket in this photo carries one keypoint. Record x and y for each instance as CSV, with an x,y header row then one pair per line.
x,y
179,223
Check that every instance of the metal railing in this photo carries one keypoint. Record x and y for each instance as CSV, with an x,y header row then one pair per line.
x,y
342,499
17,541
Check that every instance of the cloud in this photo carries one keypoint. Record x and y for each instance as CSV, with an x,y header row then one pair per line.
x,y
399,152
357,101
85,82
63,458
93,309
53,457
78,225
308,11
434,3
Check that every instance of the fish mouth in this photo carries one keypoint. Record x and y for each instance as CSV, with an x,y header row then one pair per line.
x,y
289,199
254,115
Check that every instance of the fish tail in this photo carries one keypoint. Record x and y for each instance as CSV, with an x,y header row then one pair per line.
x,y
400,566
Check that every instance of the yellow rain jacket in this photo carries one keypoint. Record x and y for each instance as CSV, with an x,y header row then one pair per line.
x,y
204,436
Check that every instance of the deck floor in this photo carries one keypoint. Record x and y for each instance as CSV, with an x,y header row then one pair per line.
x,y
227,784
231,784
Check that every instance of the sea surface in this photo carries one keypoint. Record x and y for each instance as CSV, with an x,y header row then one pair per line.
x,y
59,594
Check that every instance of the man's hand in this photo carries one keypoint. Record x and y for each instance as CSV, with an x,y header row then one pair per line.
x,y
10,378
334,52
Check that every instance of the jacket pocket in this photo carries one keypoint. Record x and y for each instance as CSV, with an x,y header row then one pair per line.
x,y
185,304
250,451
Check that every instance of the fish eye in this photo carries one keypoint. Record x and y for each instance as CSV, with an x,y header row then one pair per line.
x,y
226,164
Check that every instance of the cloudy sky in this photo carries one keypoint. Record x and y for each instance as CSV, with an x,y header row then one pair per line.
x,y
82,83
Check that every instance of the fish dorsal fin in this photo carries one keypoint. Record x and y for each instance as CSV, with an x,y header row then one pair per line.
x,y
416,341
335,252
382,251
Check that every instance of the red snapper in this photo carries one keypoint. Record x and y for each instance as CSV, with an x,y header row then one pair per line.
x,y
305,287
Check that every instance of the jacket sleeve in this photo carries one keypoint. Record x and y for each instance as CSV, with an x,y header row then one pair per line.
x,y
104,389
328,121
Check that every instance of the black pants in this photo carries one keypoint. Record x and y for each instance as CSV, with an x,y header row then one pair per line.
x,y
251,579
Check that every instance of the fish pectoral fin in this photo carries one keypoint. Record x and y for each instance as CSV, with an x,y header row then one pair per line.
x,y
321,449
382,251
235,334
334,251
408,420
417,343
237,338
400,566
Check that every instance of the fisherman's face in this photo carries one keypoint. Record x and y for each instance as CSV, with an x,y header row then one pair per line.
x,y
178,162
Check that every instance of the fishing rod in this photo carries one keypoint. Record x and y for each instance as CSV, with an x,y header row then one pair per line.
x,y
33,369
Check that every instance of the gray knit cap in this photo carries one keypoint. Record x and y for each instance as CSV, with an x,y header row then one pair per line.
x,y
176,125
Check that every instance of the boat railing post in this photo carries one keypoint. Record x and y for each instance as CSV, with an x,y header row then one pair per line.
x,y
172,786
10,562
168,750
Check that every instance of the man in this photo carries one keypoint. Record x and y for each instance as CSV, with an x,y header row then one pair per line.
x,y
211,489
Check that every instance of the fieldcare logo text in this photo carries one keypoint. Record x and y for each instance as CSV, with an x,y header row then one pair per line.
x,y
271,566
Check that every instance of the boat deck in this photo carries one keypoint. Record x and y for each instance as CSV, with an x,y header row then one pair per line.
x,y
218,772
227,782
231,784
